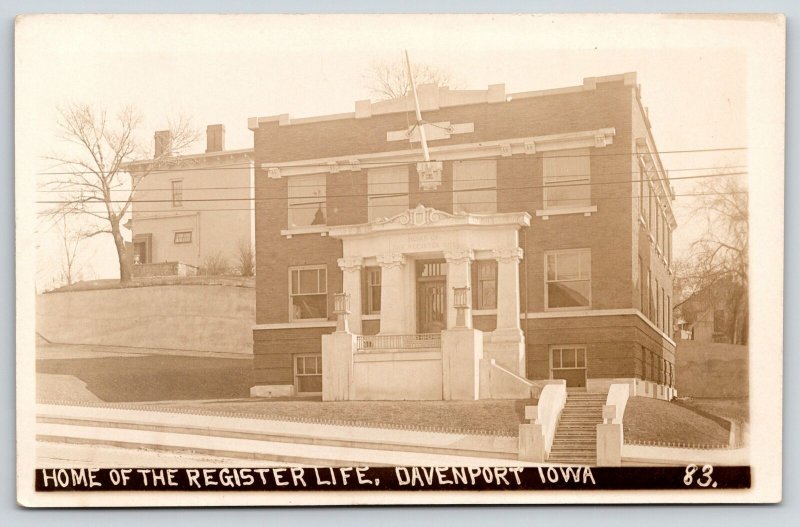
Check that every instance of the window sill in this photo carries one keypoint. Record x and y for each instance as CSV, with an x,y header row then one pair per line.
x,y
483,312
322,230
586,211
371,316
560,309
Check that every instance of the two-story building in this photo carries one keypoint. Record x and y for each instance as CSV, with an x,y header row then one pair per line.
x,y
191,210
552,207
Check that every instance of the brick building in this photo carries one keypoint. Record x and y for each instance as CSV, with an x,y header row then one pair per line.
x,y
553,207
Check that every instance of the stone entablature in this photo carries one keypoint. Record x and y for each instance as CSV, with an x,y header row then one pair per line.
x,y
593,138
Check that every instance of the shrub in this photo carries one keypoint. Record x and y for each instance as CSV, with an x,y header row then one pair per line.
x,y
214,265
246,259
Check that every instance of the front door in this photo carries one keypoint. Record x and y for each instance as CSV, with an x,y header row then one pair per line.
x,y
431,296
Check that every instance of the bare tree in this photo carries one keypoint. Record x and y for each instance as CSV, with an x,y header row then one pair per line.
x,y
92,182
389,80
717,268
71,239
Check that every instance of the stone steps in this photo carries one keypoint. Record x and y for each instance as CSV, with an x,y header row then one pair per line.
x,y
575,440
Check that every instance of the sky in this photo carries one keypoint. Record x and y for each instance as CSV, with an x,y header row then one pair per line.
x,y
693,74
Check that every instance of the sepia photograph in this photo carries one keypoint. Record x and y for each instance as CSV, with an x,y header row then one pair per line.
x,y
399,259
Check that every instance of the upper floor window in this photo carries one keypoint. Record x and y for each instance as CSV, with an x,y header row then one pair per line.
x,y
307,201
568,282
182,237
308,292
484,279
475,186
373,276
567,179
387,191
177,192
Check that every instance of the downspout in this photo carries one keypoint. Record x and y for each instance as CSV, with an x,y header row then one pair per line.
x,y
527,289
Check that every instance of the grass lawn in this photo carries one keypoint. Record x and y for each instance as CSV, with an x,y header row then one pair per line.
x,y
150,377
735,409
502,417
649,419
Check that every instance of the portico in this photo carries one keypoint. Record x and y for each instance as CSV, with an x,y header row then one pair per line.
x,y
424,256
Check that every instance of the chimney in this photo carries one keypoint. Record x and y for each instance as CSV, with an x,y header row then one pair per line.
x,y
215,138
163,144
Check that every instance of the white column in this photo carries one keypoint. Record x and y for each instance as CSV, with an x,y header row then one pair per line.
x,y
459,274
351,284
508,326
392,292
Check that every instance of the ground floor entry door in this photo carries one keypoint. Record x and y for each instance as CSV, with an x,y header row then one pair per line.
x,y
431,296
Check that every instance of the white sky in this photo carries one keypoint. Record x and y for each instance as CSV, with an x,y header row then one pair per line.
x,y
693,73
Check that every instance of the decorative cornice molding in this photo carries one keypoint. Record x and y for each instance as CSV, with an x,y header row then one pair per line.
x,y
423,217
461,151
164,164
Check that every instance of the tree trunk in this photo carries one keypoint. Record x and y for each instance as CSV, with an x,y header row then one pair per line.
x,y
124,264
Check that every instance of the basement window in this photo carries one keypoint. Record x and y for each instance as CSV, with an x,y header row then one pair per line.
x,y
308,374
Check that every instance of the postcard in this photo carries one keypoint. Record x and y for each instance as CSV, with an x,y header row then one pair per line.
x,y
399,259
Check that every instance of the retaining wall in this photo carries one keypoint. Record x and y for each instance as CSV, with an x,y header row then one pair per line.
x,y
185,317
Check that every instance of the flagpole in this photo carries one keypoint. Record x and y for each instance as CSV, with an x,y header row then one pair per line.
x,y
420,125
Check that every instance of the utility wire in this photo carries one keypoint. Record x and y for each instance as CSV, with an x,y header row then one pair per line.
x,y
95,199
348,185
345,164
593,199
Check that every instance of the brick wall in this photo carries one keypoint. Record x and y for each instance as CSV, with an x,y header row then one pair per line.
x,y
519,180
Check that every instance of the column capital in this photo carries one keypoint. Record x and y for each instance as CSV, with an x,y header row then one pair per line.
x,y
351,263
508,254
387,261
459,256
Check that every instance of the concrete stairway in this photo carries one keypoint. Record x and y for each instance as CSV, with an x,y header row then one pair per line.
x,y
575,441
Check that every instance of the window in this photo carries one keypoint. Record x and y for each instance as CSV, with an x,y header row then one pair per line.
x,y
568,279
566,358
668,241
651,293
657,311
653,210
475,186
177,192
643,360
182,237
647,192
641,188
308,373
669,315
566,179
642,287
308,293
373,290
388,191
307,201
484,280
663,311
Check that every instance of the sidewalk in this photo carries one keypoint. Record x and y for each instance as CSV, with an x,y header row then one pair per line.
x,y
267,440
